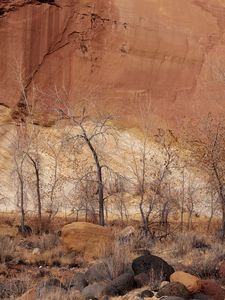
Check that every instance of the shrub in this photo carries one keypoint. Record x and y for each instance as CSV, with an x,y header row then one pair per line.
x,y
205,264
7,249
48,241
118,261
185,242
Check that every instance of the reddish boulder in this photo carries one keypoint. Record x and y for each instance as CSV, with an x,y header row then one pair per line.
x,y
213,289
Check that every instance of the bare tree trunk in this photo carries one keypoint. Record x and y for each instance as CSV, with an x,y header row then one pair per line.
x,y
211,215
39,201
144,219
189,225
100,180
39,204
209,222
22,211
182,205
223,220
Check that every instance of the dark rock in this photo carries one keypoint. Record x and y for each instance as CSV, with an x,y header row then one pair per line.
x,y
141,280
77,282
25,230
174,289
94,290
46,1
200,296
97,272
156,266
146,294
120,285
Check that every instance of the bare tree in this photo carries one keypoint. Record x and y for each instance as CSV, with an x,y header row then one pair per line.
x,y
208,147
91,133
213,206
19,156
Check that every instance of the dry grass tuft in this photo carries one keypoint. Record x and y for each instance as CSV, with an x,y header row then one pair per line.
x,y
48,241
185,242
205,264
7,249
118,260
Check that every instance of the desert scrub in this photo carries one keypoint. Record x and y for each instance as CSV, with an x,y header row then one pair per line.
x,y
141,241
185,242
48,241
205,264
7,248
118,260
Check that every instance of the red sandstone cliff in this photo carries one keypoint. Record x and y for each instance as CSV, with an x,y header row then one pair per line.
x,y
116,53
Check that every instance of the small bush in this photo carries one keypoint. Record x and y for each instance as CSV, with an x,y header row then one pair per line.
x,y
141,241
7,249
13,288
205,264
118,261
185,242
48,241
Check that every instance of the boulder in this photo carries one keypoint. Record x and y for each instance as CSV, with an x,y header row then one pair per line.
x,y
213,289
192,283
86,238
146,294
200,296
97,272
77,282
94,290
120,285
141,280
174,289
154,265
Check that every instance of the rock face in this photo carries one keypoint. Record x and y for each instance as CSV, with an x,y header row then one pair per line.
x,y
86,238
117,54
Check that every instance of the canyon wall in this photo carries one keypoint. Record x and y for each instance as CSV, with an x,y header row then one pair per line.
x,y
119,55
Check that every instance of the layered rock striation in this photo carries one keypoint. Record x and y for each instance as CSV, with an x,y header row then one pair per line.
x,y
119,55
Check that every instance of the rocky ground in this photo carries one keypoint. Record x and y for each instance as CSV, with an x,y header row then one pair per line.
x,y
91,262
